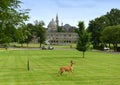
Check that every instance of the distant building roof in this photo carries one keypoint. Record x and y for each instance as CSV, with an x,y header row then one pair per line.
x,y
52,26
67,26
52,23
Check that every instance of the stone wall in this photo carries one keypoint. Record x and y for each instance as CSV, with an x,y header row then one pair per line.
x,y
61,38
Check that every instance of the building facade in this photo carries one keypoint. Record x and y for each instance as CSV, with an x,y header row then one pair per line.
x,y
68,36
61,38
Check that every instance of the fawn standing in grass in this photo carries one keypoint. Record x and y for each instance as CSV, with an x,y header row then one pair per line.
x,y
66,68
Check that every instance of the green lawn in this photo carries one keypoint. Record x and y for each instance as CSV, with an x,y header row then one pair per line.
x,y
38,45
97,68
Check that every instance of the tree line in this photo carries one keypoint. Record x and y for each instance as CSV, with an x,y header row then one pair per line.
x,y
13,27
105,30
102,31
107,35
26,33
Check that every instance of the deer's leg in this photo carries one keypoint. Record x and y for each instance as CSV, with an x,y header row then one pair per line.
x,y
61,72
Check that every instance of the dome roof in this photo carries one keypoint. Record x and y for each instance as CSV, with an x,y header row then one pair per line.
x,y
67,26
52,23
52,26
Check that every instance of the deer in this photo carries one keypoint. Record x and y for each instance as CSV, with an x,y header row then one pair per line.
x,y
66,68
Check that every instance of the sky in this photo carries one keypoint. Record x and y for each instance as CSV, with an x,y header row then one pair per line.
x,y
69,11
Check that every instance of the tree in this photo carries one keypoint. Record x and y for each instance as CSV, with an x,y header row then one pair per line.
x,y
4,40
22,34
40,31
113,16
11,16
84,38
95,28
28,33
111,34
98,24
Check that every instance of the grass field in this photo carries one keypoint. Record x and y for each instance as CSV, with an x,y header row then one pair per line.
x,y
97,68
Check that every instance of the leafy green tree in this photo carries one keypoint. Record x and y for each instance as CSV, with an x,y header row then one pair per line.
x,y
22,34
95,28
113,16
111,34
98,24
28,33
4,40
19,36
40,31
10,17
84,38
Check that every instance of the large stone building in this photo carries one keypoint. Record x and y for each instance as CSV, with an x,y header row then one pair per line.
x,y
67,36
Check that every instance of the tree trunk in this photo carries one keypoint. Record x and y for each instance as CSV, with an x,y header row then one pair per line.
x,y
21,44
40,45
6,48
109,45
115,46
40,42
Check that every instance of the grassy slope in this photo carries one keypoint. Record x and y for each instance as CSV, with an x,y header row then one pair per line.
x,y
96,69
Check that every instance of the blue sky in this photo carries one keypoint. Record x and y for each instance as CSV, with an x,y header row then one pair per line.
x,y
69,11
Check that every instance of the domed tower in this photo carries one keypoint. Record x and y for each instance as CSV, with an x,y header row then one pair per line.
x,y
52,27
57,21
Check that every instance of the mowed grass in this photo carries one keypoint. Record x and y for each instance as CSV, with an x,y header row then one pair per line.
x,y
97,68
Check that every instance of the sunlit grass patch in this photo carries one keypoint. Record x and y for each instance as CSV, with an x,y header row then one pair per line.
x,y
97,68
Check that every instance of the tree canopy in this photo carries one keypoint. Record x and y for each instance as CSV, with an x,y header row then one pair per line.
x,y
40,31
11,16
97,25
111,34
84,38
